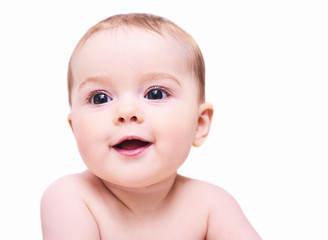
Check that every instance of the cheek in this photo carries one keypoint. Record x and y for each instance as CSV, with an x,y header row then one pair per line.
x,y
90,123
176,131
89,133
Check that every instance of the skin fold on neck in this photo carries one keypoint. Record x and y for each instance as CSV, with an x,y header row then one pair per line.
x,y
146,201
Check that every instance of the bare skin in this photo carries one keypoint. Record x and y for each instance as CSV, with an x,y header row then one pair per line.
x,y
135,115
82,206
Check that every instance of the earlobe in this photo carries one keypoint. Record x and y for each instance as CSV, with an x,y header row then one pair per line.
x,y
69,119
204,124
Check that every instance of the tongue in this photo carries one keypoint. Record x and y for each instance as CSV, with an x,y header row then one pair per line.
x,y
131,144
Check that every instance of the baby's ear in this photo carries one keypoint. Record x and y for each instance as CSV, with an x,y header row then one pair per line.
x,y
69,119
204,123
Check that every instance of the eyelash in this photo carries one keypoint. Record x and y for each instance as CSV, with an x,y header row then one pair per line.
x,y
167,92
94,93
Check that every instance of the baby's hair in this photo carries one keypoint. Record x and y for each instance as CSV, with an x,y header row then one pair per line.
x,y
152,23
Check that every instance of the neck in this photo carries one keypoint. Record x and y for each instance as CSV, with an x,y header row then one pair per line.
x,y
144,201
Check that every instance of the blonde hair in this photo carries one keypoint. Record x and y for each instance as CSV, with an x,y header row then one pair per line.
x,y
152,23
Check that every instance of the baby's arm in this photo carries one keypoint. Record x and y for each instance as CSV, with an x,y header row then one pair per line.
x,y
64,214
227,221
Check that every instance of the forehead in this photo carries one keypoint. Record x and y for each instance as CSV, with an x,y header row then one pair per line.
x,y
119,46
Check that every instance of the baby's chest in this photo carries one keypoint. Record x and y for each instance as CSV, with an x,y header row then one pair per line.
x,y
174,226
173,230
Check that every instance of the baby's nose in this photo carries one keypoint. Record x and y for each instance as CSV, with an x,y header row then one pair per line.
x,y
128,114
128,119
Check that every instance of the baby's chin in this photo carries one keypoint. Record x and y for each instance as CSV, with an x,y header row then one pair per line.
x,y
138,183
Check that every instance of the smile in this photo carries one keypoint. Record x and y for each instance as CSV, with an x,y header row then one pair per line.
x,y
132,147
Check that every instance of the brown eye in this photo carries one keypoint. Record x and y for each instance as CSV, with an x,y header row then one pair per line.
x,y
156,94
100,98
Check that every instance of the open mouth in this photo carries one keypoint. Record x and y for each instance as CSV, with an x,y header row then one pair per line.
x,y
131,144
132,147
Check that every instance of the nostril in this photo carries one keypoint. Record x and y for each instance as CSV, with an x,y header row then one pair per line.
x,y
128,119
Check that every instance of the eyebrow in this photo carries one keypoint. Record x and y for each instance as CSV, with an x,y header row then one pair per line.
x,y
159,75
97,79
145,77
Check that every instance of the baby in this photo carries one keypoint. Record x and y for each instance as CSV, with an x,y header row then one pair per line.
x,y
136,90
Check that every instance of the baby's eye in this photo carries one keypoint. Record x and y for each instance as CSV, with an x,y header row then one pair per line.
x,y
156,94
99,98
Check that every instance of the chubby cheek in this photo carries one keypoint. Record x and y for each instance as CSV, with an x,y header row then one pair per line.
x,y
89,135
175,134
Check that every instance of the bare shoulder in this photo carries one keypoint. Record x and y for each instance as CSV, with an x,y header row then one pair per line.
x,y
225,217
64,212
207,192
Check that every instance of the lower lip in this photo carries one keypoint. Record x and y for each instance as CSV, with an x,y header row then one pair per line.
x,y
132,152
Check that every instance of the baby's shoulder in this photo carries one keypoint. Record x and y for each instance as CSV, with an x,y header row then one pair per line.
x,y
204,191
224,213
66,192
78,183
217,201
64,208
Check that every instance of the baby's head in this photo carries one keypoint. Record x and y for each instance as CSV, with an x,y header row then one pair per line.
x,y
155,24
136,85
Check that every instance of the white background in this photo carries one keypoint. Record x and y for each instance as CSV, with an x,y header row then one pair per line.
x,y
267,76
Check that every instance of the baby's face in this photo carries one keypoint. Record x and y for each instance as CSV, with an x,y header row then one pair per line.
x,y
135,106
